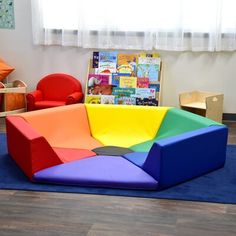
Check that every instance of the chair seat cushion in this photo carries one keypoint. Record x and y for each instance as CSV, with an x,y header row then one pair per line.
x,y
48,104
99,171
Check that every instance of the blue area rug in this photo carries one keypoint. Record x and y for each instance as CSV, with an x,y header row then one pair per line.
x,y
218,186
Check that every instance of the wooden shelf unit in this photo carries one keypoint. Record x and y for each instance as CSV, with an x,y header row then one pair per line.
x,y
91,70
12,98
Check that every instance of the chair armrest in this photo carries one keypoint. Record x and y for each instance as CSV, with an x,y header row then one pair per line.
x,y
75,97
180,158
214,107
33,97
187,97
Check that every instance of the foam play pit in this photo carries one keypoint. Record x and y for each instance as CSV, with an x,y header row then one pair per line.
x,y
138,147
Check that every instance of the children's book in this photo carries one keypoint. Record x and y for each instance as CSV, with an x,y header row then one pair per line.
x,y
145,93
127,63
115,78
149,67
143,83
107,99
100,90
131,79
95,59
128,82
146,102
150,61
144,54
93,99
107,62
155,86
96,79
150,71
123,92
125,100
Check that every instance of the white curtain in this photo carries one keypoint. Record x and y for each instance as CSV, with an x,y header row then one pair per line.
x,y
177,25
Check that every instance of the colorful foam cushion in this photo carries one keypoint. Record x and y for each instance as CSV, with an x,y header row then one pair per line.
x,y
64,127
99,171
72,154
124,125
175,122
170,161
29,149
137,158
5,69
182,157
111,151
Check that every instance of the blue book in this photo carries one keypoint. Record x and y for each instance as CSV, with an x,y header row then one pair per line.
x,y
116,78
150,71
107,62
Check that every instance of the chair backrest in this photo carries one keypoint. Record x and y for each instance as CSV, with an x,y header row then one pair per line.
x,y
58,86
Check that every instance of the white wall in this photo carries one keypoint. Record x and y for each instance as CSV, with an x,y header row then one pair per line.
x,y
184,71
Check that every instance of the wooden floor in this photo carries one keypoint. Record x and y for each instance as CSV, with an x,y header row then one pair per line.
x,y
41,213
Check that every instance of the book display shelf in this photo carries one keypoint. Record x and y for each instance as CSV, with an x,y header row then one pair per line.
x,y
127,79
12,97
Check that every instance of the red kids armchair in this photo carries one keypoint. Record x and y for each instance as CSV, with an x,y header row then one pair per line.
x,y
55,90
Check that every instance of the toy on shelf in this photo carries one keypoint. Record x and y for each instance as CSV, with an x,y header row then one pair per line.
x,y
12,97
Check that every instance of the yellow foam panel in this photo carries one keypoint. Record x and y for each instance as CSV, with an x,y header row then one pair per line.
x,y
123,125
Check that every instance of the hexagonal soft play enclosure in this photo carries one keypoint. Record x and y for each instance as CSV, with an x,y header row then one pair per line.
x,y
131,147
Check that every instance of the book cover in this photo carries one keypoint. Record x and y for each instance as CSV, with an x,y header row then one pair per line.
x,y
150,61
125,100
107,62
107,99
100,90
96,79
93,99
128,82
115,77
146,102
145,93
150,71
127,63
144,54
95,59
143,83
123,92
155,86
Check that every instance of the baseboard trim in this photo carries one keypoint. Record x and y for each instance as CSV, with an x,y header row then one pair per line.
x,y
229,116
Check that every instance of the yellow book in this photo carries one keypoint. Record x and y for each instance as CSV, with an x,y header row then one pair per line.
x,y
154,55
127,63
93,99
128,82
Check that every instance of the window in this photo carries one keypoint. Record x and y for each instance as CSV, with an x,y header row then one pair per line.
x,y
170,25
